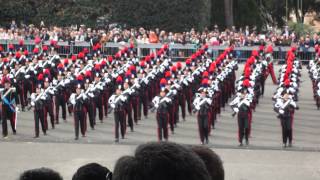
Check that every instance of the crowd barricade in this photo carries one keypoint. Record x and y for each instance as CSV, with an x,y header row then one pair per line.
x,y
177,51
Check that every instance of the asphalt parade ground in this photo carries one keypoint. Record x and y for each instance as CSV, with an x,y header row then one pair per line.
x,y
263,159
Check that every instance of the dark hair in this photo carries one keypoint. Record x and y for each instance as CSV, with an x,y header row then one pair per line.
x,y
40,174
158,161
92,171
212,161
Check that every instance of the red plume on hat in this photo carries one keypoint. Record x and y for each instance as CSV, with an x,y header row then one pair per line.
x,y
66,61
261,47
110,59
37,40
18,55
73,58
247,72
205,74
80,77
21,42
88,73
1,48
35,51
212,69
46,71
11,46
97,67
205,82
254,53
45,48
60,66
188,62
119,80
81,55
173,69
287,82
40,77
163,82
167,74
269,49
142,64
26,52
246,83
179,65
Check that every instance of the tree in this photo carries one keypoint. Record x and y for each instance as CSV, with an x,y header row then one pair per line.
x,y
172,15
228,10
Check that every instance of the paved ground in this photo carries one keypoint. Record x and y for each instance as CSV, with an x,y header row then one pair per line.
x,y
263,159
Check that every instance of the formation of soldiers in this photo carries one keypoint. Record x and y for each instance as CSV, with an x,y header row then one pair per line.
x,y
250,87
286,95
90,86
314,74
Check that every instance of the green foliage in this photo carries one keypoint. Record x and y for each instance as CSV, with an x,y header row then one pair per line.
x,y
175,15
300,29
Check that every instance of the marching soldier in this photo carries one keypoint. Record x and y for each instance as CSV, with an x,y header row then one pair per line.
x,y
37,102
48,102
117,102
60,97
285,107
202,105
78,101
8,98
241,106
161,103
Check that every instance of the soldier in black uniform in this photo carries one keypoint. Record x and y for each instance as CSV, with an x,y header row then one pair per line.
x,y
60,98
48,103
286,107
202,105
241,105
89,104
77,100
38,111
161,103
117,102
8,98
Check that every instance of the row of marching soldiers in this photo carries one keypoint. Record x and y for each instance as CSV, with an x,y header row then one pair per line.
x,y
286,95
314,74
52,84
250,87
217,87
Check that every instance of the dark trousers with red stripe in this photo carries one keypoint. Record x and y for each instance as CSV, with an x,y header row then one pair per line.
x,y
243,125
79,122
144,103
49,110
188,95
22,95
120,122
203,124
7,114
90,110
182,104
39,118
105,102
286,124
99,104
162,121
135,102
60,102
129,114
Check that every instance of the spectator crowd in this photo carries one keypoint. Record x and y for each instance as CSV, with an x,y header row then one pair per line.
x,y
240,37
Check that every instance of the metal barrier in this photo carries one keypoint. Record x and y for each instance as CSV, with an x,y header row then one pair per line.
x,y
176,51
279,52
